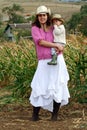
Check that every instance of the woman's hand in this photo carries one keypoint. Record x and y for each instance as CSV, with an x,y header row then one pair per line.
x,y
59,48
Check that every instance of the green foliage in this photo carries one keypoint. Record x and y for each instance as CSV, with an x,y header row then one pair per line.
x,y
12,12
18,64
12,9
31,18
0,20
2,36
74,21
76,59
83,27
78,21
83,9
17,18
23,33
1,32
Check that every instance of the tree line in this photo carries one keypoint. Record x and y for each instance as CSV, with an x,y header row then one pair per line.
x,y
78,21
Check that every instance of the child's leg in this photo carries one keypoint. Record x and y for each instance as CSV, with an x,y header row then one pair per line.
x,y
54,58
53,51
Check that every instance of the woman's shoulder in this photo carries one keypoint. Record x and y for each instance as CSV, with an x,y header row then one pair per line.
x,y
34,27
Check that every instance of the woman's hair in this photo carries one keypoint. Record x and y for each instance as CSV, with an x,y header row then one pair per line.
x,y
37,23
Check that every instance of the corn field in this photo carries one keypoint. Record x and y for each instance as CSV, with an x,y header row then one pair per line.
x,y
18,63
76,60
17,66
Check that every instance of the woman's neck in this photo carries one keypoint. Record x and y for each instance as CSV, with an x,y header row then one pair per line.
x,y
45,27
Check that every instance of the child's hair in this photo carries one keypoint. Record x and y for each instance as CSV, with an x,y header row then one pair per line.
x,y
58,17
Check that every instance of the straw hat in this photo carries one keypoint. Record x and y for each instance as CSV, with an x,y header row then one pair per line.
x,y
42,10
58,16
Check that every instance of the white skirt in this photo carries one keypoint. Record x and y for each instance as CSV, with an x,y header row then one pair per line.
x,y
50,83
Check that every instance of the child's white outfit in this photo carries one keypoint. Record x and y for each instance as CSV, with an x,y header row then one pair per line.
x,y
59,36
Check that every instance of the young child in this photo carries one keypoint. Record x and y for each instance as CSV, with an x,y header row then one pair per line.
x,y
59,36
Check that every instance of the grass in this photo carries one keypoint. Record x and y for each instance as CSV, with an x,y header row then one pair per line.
x,y
6,97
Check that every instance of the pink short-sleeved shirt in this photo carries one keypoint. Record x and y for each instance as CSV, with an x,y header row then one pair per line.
x,y
39,34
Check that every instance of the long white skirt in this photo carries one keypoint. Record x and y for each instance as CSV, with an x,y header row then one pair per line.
x,y
50,83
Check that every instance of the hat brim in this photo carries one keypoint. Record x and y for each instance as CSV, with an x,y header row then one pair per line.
x,y
60,19
43,13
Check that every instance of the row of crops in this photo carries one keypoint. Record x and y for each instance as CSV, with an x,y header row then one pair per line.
x,y
18,63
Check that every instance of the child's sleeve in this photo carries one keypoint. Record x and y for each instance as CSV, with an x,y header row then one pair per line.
x,y
58,29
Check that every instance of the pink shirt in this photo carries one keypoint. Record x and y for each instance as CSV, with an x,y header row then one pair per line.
x,y
39,34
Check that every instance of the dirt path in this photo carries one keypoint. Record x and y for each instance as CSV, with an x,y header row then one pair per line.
x,y
17,118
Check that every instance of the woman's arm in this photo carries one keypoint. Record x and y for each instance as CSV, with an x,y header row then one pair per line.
x,y
38,39
52,45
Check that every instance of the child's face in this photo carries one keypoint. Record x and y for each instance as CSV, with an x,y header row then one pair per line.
x,y
57,22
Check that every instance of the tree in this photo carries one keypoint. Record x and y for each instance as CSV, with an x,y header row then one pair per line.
x,y
83,27
79,19
74,21
0,20
83,9
13,13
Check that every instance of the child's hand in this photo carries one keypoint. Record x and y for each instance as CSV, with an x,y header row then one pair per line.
x,y
55,23
57,50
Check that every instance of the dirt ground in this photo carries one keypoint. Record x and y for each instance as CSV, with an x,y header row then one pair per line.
x,y
17,117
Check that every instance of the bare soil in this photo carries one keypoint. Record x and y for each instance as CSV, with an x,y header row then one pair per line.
x,y
17,117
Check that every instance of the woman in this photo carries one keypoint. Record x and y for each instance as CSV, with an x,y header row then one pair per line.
x,y
49,84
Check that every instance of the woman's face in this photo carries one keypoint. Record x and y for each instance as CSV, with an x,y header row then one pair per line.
x,y
42,18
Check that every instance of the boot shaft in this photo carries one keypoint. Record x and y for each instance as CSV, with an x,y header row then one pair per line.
x,y
56,107
35,115
36,110
54,60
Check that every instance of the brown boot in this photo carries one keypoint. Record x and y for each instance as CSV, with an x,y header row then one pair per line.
x,y
35,115
56,107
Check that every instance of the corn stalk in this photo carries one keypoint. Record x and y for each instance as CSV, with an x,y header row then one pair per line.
x,y
76,59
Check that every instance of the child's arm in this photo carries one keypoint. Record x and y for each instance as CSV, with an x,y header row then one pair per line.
x,y
58,29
